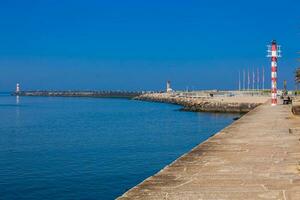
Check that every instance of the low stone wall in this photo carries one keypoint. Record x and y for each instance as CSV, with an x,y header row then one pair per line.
x,y
296,106
201,104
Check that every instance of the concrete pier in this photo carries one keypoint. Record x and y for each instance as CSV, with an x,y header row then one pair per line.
x,y
257,157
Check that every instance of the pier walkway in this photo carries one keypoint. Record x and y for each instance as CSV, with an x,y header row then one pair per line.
x,y
257,157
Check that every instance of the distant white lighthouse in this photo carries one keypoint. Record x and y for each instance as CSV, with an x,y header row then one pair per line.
x,y
169,89
17,88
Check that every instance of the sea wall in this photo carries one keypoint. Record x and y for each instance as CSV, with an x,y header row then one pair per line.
x,y
205,104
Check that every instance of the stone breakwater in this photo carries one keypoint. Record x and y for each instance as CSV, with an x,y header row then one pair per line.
x,y
207,104
95,94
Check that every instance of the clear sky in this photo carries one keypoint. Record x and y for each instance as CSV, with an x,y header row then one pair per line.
x,y
139,44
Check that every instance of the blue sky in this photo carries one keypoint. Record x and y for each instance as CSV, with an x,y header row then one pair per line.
x,y
138,45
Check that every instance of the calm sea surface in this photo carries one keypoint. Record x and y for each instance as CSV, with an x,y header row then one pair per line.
x,y
85,148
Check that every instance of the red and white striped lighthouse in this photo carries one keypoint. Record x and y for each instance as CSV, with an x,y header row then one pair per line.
x,y
274,52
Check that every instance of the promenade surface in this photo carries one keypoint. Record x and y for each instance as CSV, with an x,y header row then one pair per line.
x,y
257,157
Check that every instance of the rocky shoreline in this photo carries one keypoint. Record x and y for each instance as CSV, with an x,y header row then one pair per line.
x,y
203,104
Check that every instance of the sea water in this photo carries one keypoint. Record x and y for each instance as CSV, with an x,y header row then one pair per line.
x,y
91,148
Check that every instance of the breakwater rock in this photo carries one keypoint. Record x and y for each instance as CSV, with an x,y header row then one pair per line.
x,y
206,104
96,94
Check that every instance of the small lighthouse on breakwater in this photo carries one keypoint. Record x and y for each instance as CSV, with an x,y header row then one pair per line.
x,y
17,88
169,89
